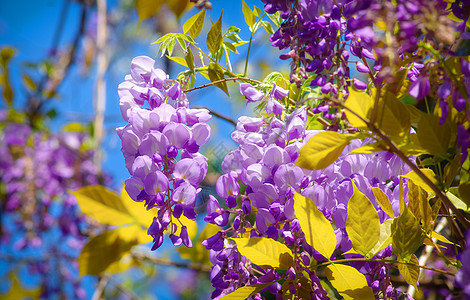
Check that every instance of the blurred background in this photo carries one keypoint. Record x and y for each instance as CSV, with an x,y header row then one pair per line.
x,y
61,62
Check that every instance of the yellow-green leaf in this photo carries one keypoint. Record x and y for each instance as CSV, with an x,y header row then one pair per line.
x,y
248,14
322,150
245,292
419,205
193,26
383,201
178,60
459,203
29,82
441,238
349,282
265,252
18,292
464,192
147,8
215,74
433,137
361,104
368,148
418,181
410,272
393,118
318,230
107,248
385,238
103,205
362,223
407,235
137,210
214,36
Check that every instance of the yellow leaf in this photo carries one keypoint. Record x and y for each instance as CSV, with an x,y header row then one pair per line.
x,y
361,104
322,150
441,238
368,148
385,238
464,192
265,252
178,7
199,254
18,292
318,230
178,60
418,181
109,247
393,118
193,25
138,211
410,272
383,201
191,225
103,205
245,292
147,8
362,223
349,282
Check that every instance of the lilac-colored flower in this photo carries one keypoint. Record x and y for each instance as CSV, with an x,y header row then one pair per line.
x,y
362,68
420,88
185,193
250,92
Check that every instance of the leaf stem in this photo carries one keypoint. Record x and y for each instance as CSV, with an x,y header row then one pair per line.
x,y
249,44
222,80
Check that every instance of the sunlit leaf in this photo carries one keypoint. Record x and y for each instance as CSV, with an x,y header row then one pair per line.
x,y
103,205
418,181
362,223
178,60
361,104
245,292
104,249
455,199
349,282
16,291
193,26
199,254
410,272
248,14
214,36
407,235
318,230
322,150
265,252
147,8
216,73
189,58
385,238
383,201
392,116
368,148
137,210
419,205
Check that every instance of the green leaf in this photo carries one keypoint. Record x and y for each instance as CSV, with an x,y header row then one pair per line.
x,y
216,73
18,292
455,199
362,223
178,7
214,36
189,58
245,292
267,26
383,201
407,235
265,252
250,18
107,248
419,205
171,46
164,38
464,192
361,104
433,137
418,181
147,8
349,282
410,272
231,47
178,60
318,230
29,82
103,205
193,26
322,150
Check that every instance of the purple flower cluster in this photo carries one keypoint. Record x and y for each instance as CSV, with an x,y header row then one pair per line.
x,y
36,169
265,163
160,146
462,277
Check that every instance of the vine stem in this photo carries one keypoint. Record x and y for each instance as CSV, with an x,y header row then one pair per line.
x,y
218,115
167,262
222,80
249,44
389,261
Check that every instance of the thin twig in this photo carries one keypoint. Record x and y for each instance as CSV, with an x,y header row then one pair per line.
x,y
218,115
220,81
167,262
